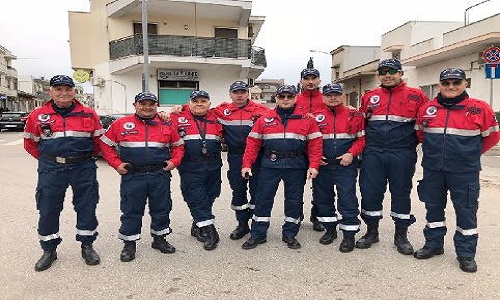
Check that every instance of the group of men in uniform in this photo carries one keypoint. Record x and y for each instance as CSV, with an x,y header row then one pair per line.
x,y
308,135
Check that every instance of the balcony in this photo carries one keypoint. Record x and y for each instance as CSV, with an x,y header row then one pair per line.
x,y
189,46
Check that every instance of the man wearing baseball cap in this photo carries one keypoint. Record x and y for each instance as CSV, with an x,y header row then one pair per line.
x,y
310,100
343,133
291,147
390,154
200,169
63,135
455,130
149,149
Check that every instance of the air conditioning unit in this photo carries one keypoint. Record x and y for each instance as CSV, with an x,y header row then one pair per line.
x,y
98,81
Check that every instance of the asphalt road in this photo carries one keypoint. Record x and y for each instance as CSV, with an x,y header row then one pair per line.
x,y
271,271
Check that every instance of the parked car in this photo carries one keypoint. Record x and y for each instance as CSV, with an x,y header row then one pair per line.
x,y
13,120
106,120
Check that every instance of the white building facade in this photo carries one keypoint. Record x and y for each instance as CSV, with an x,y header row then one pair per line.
x,y
425,48
195,44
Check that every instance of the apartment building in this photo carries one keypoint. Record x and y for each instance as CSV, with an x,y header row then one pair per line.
x,y
33,92
8,81
196,44
426,48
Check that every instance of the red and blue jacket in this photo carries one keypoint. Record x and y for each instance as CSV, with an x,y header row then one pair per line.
x,y
237,123
390,114
343,131
141,142
310,101
47,133
296,145
453,139
202,140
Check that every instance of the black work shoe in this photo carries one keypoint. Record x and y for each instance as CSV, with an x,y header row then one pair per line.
x,y
329,236
210,236
90,256
291,242
161,244
196,232
128,252
46,260
367,240
318,226
467,264
427,252
252,243
240,231
401,240
347,244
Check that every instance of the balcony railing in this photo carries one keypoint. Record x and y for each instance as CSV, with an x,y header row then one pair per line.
x,y
188,46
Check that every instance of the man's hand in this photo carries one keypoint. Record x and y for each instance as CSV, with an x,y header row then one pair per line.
x,y
346,159
323,161
176,109
312,173
121,169
163,116
246,173
170,166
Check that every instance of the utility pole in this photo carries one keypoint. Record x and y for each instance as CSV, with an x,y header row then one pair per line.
x,y
145,47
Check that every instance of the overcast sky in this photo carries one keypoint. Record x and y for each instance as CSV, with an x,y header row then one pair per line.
x,y
36,31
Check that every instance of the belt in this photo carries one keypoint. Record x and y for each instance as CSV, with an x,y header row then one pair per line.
x,y
143,169
67,159
331,161
275,155
204,157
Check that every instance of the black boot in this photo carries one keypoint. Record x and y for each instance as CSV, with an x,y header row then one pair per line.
x,y
196,232
45,262
370,237
160,243
329,236
90,256
467,264
240,231
426,252
252,243
317,225
211,237
347,244
128,251
291,242
401,240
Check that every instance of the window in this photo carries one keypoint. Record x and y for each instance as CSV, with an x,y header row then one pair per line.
x,y
226,33
152,28
175,92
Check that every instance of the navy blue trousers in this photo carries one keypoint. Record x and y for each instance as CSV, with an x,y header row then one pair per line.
x,y
343,179
269,179
395,167
241,187
135,190
50,193
464,194
199,190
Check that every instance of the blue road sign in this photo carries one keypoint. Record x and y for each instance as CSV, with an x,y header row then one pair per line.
x,y
492,71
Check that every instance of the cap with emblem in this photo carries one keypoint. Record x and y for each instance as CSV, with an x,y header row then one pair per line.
x,y
286,88
391,63
332,88
307,72
146,96
238,86
452,73
200,93
62,80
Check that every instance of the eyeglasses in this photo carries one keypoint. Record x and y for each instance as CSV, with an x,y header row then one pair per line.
x,y
385,71
454,83
281,97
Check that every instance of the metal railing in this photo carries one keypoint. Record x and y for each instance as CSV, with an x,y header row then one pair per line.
x,y
188,46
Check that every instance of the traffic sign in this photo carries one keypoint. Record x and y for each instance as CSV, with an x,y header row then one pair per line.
x,y
492,71
492,55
